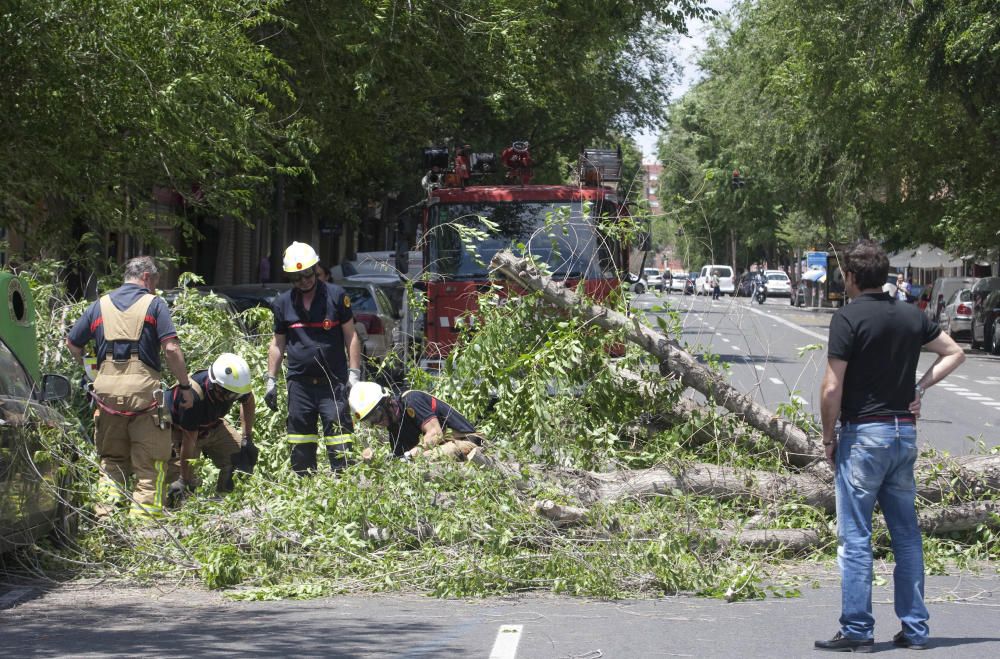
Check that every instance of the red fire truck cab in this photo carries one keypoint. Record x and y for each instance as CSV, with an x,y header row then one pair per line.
x,y
563,226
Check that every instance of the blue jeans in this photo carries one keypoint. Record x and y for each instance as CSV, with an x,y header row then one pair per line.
x,y
875,463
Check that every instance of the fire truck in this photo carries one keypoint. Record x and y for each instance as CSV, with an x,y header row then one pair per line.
x,y
465,221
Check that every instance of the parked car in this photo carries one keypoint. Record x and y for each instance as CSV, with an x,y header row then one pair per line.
x,y
679,281
653,278
35,445
986,323
778,283
956,319
702,285
941,291
374,311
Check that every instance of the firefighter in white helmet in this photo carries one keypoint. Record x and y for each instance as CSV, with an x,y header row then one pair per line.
x,y
314,324
203,428
419,424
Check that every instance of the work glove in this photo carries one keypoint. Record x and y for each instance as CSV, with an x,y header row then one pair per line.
x,y
246,459
271,394
353,377
178,491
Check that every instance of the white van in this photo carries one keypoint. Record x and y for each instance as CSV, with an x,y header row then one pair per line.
x,y
703,284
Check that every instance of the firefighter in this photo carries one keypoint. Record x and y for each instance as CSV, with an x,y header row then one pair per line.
x,y
203,428
419,424
314,323
129,325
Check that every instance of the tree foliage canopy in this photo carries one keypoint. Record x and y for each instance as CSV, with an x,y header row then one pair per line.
x,y
214,100
850,120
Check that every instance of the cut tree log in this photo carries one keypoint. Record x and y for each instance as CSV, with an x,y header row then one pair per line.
x,y
801,450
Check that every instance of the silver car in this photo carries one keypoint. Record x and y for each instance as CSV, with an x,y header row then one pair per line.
x,y
956,317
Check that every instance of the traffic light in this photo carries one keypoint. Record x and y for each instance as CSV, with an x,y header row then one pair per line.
x,y
738,181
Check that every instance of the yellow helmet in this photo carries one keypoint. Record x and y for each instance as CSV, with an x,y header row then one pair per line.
x,y
299,257
365,397
231,372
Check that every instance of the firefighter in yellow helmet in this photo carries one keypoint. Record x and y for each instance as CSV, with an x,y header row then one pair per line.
x,y
419,424
314,325
129,326
203,427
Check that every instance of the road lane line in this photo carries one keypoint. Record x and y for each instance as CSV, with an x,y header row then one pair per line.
x,y
758,367
776,381
505,646
800,400
788,323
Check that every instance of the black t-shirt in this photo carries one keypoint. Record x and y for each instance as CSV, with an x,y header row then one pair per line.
x,y
314,338
418,408
880,339
207,409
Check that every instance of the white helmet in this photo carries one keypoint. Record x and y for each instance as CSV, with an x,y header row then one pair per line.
x,y
231,372
299,257
365,397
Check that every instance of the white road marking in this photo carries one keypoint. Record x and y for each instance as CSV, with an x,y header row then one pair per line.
x,y
991,381
736,347
977,397
505,646
800,400
776,381
788,323
758,367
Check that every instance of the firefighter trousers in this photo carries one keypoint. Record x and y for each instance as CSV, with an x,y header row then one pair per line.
x,y
310,400
133,445
218,444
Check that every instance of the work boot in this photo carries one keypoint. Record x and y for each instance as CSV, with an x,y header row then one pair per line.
x,y
841,643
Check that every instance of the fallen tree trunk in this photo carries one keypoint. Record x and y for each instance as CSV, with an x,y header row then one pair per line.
x,y
801,450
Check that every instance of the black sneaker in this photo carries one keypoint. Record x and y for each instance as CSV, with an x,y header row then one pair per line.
x,y
900,641
841,643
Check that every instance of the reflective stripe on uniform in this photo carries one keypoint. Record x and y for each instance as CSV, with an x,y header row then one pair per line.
x,y
159,491
338,440
302,439
145,511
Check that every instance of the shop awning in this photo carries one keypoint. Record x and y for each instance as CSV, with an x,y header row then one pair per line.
x,y
924,256
816,274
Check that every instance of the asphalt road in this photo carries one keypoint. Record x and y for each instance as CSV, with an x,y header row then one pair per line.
x,y
92,620
779,353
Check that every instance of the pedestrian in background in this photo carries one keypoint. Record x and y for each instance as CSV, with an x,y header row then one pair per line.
x,y
129,326
716,290
870,386
322,273
314,323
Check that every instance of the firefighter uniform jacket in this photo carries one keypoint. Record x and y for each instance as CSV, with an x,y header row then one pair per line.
x,y
314,338
208,409
417,409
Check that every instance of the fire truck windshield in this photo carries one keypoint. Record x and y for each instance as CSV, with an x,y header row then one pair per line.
x,y
556,233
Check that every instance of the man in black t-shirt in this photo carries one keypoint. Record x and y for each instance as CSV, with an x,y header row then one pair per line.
x,y
419,424
870,385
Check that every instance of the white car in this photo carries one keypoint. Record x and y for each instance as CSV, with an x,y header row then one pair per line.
x,y
778,283
654,280
679,282
703,284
